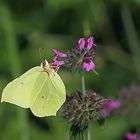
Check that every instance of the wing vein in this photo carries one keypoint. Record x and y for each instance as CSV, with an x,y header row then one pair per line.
x,y
41,87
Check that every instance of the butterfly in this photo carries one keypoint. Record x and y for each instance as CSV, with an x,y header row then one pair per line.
x,y
41,89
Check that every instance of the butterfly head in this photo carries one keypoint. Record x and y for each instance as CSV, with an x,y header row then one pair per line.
x,y
46,67
44,63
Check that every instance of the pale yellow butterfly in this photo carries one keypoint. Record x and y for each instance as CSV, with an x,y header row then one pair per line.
x,y
41,89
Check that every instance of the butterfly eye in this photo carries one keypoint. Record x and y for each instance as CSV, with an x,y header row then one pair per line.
x,y
43,64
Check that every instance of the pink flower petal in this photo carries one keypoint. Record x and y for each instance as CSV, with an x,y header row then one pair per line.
x,y
56,64
109,106
131,136
58,53
91,43
55,59
81,43
92,54
88,65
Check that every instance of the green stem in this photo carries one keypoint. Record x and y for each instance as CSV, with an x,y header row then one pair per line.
x,y
84,93
83,84
89,136
14,63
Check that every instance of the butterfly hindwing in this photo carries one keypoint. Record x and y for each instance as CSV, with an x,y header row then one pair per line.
x,y
19,90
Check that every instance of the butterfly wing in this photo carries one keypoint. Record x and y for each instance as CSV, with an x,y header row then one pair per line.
x,y
19,90
49,97
37,90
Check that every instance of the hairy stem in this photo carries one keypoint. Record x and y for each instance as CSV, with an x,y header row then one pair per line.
x,y
89,137
83,84
84,93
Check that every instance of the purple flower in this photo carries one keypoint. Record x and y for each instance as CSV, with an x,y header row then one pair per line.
x,y
109,106
56,64
88,51
58,53
90,43
131,136
81,43
88,65
81,57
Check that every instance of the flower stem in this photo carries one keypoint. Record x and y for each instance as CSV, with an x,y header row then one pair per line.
x,y
89,137
84,93
83,84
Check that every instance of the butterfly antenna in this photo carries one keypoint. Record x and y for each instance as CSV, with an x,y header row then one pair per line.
x,y
41,50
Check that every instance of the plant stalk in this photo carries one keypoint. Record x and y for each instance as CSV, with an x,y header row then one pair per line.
x,y
83,83
84,93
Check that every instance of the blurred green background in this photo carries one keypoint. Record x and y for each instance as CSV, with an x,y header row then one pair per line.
x,y
27,25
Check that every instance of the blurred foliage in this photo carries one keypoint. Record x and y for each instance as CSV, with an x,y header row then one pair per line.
x,y
25,26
